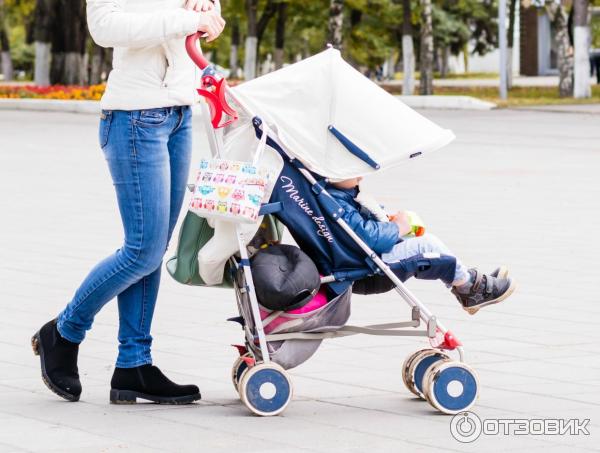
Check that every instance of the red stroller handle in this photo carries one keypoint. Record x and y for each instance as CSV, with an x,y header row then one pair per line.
x,y
213,89
194,52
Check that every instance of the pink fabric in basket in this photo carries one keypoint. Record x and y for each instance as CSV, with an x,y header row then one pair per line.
x,y
315,303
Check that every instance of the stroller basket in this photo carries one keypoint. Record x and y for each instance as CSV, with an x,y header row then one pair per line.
x,y
292,352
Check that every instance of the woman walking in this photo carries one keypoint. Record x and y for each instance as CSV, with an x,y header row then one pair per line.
x,y
145,135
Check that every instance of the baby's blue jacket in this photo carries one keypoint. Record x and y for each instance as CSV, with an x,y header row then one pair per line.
x,y
379,236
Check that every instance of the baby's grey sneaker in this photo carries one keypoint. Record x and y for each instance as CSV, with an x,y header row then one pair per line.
x,y
500,272
484,289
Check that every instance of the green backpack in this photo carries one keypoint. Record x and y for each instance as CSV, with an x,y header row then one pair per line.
x,y
195,232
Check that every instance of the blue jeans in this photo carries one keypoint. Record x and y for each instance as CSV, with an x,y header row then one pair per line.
x,y
148,154
428,243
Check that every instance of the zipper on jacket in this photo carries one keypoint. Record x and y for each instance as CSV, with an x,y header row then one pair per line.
x,y
169,59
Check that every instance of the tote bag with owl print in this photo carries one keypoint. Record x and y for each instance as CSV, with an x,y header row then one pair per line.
x,y
231,190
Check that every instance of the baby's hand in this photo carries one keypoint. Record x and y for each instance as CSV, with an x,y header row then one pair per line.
x,y
401,219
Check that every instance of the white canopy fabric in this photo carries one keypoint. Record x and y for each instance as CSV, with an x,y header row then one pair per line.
x,y
300,102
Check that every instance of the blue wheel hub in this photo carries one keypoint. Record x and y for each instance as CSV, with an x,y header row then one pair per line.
x,y
262,379
422,367
466,380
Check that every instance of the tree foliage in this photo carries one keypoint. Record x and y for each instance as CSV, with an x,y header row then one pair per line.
x,y
372,29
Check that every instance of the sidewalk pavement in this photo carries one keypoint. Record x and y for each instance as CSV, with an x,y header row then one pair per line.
x,y
54,105
516,187
590,109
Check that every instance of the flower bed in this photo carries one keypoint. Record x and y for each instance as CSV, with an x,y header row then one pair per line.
x,y
70,92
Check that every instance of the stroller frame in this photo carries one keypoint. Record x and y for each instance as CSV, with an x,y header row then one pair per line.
x,y
422,370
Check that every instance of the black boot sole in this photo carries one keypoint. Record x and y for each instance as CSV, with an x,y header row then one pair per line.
x,y
130,397
38,349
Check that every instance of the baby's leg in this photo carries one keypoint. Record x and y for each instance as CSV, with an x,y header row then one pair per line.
x,y
428,243
472,288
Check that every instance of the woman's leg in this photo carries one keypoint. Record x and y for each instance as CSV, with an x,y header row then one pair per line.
x,y
136,303
139,152
180,154
138,161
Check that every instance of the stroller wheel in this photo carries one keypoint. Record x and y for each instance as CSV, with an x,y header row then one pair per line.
x,y
451,387
238,368
266,389
419,364
408,382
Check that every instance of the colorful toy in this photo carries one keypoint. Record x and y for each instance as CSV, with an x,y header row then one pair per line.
x,y
417,225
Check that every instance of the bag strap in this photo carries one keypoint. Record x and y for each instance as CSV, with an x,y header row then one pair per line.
x,y
215,136
262,142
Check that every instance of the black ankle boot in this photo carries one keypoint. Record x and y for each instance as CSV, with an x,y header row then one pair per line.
x,y
148,382
58,358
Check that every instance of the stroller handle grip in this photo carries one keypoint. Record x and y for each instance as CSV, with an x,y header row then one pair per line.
x,y
194,52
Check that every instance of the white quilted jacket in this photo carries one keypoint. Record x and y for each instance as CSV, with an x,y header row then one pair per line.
x,y
150,65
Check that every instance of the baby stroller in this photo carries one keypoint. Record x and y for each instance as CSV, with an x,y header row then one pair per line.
x,y
308,114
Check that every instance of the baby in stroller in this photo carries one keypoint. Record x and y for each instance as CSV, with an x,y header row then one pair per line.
x,y
388,236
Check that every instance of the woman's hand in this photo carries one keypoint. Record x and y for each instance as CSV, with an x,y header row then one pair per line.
x,y
211,23
199,5
401,219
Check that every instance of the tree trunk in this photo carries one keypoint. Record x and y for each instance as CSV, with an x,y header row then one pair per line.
x,y
268,13
267,65
509,68
69,43
256,29
235,43
5,59
43,18
95,62
444,61
100,64
560,17
408,52
510,42
582,39
250,58
280,33
426,54
336,23
305,49
251,40
389,66
41,76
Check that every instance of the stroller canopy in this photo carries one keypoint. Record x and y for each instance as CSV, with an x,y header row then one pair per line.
x,y
301,101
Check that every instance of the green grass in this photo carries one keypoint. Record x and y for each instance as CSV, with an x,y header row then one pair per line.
x,y
469,75
464,76
517,96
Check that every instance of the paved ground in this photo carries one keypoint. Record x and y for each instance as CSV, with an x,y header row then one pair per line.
x,y
592,109
517,187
